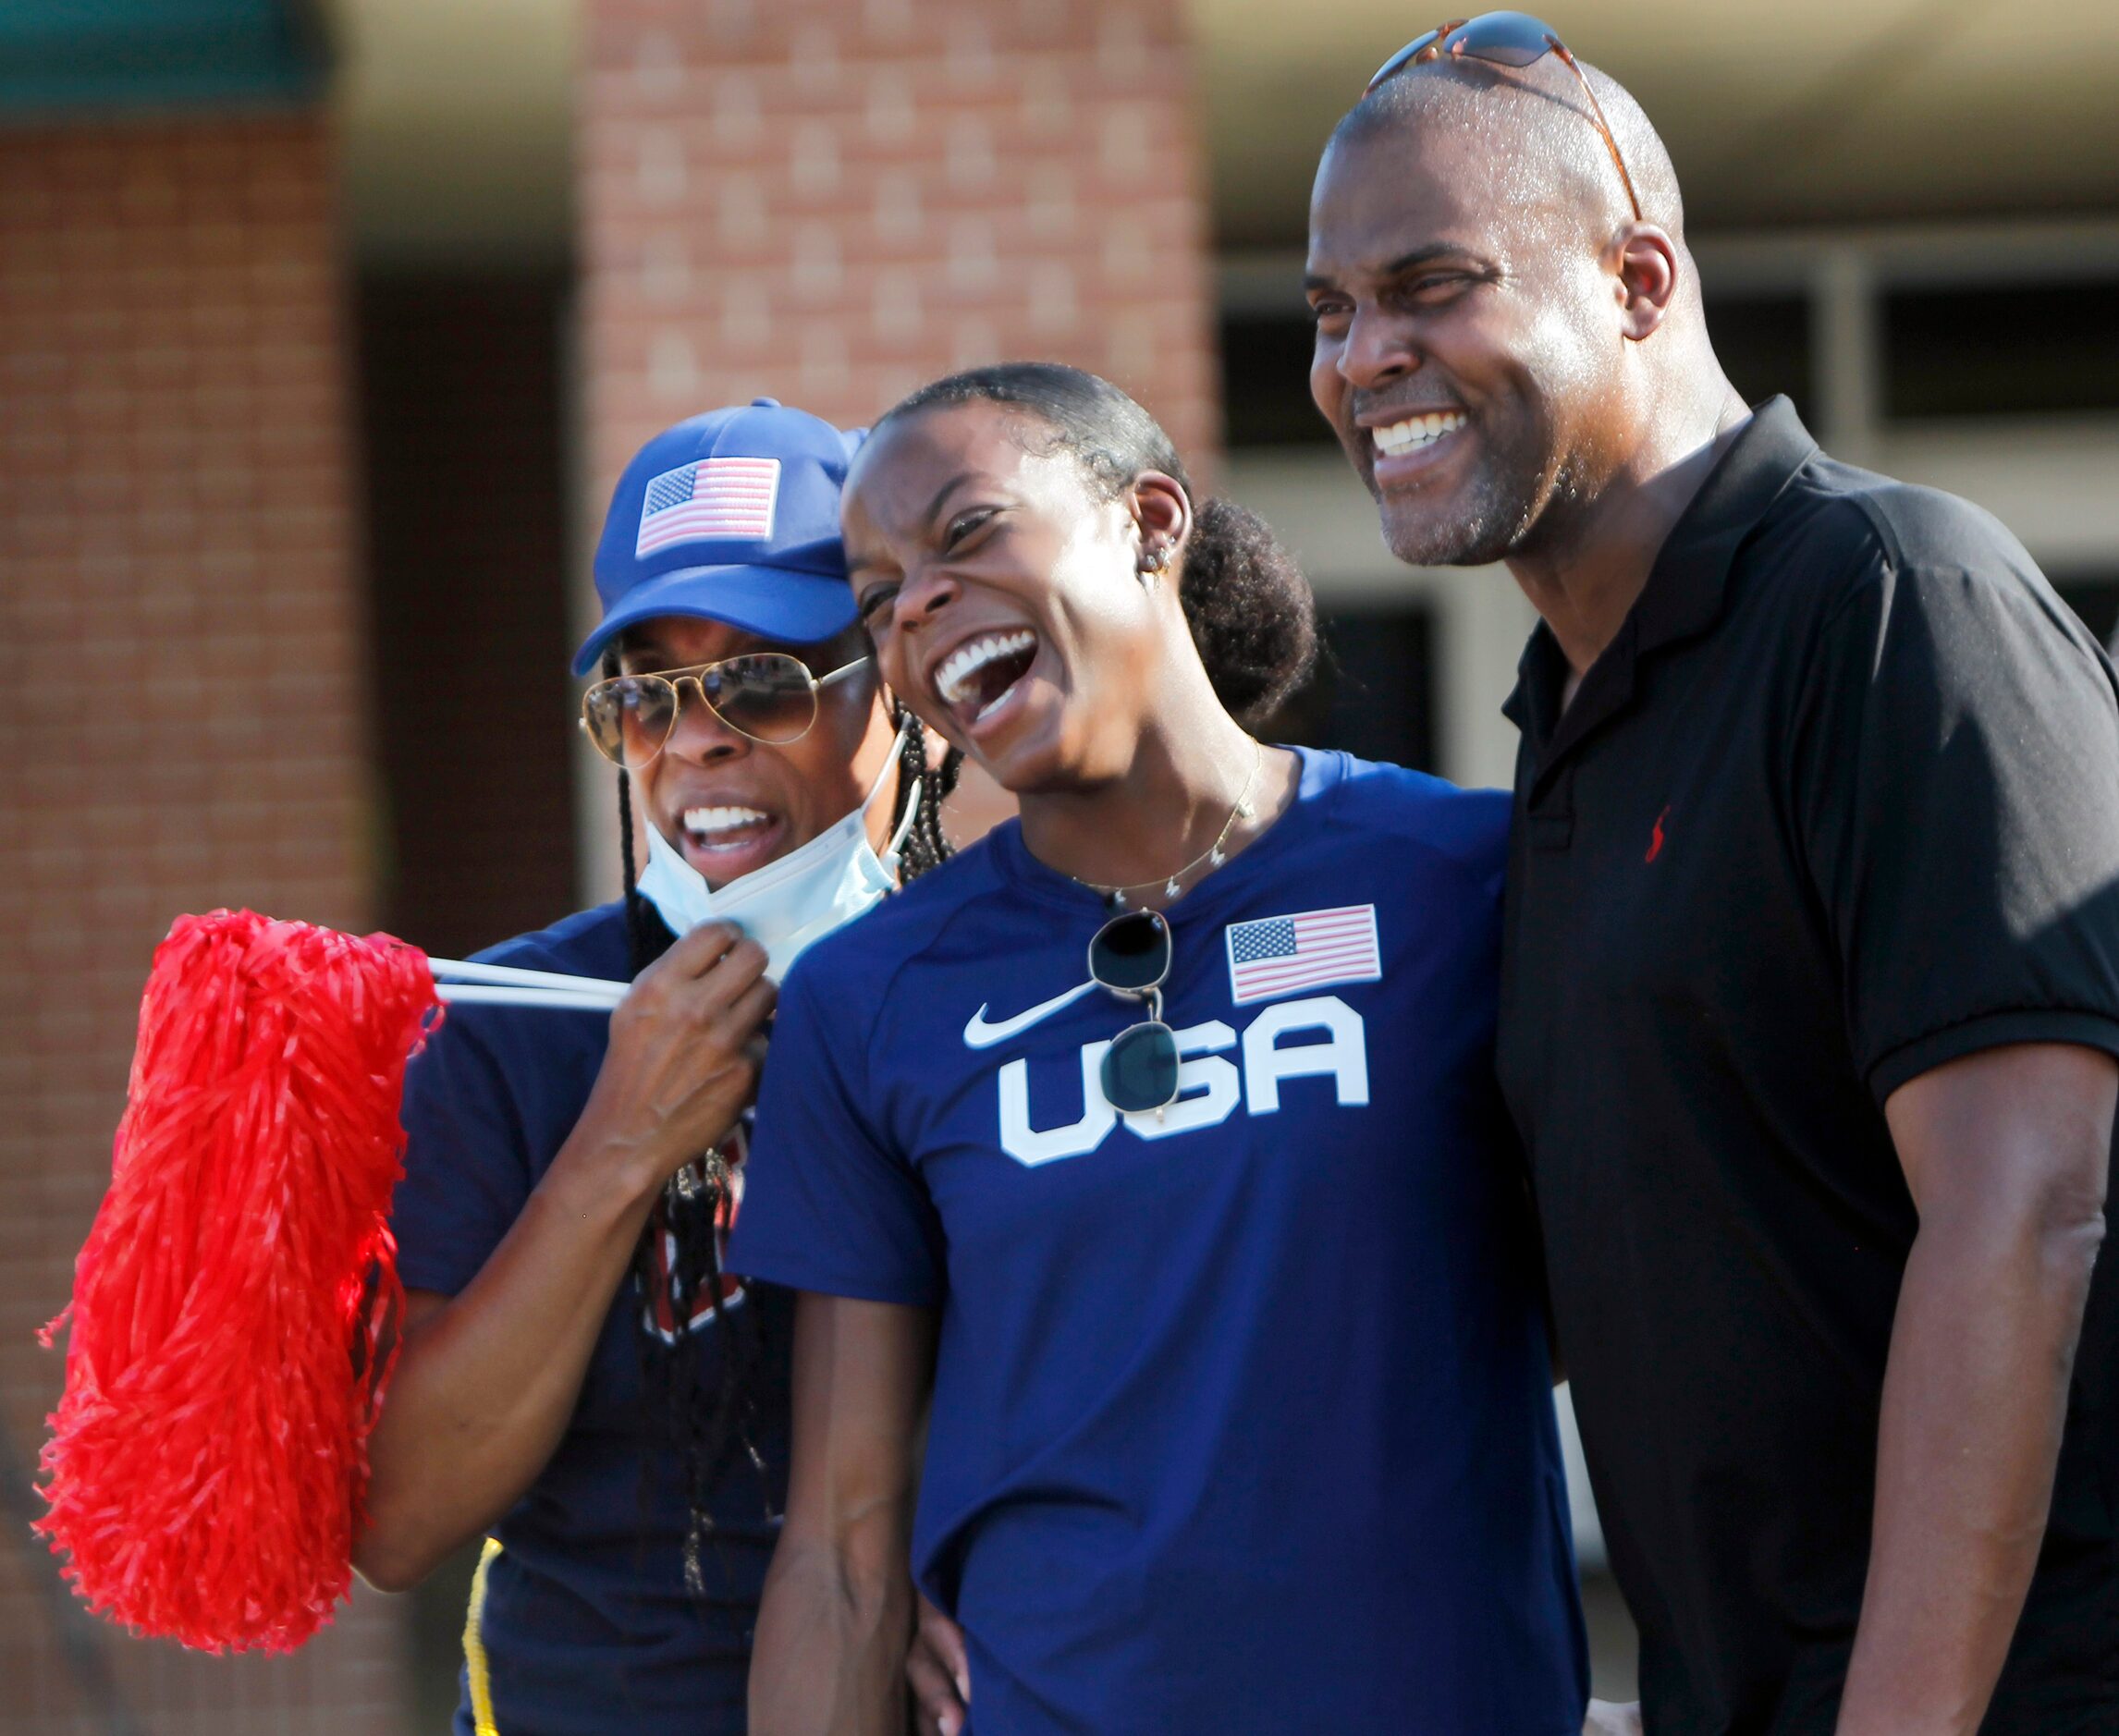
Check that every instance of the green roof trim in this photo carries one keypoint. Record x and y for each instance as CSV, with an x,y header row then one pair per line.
x,y
106,56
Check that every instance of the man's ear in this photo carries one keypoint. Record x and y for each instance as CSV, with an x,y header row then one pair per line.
x,y
1647,280
1162,516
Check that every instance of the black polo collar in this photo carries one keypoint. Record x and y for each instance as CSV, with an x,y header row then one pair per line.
x,y
1684,590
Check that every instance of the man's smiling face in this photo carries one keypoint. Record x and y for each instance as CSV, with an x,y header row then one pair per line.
x,y
1458,356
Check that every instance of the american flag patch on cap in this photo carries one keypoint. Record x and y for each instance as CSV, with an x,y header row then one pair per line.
x,y
1280,954
714,497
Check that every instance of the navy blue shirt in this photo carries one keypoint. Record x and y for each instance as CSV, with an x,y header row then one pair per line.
x,y
585,1623
1242,1417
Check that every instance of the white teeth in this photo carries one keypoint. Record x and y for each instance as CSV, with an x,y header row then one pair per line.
x,y
967,660
704,823
1415,432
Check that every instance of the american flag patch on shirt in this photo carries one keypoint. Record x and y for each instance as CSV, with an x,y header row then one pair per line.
x,y
713,498
1282,954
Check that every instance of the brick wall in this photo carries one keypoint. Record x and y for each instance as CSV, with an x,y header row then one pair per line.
x,y
831,200
181,726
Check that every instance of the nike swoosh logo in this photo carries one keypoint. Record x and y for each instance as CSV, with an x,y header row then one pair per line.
x,y
978,1035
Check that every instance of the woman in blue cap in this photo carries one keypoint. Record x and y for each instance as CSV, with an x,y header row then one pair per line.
x,y
579,1382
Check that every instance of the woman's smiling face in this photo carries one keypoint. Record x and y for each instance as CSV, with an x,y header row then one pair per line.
x,y
1004,596
728,803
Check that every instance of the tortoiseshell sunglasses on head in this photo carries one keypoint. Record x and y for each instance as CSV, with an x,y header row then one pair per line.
x,y
1505,39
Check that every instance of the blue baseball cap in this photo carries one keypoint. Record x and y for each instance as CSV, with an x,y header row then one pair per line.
x,y
732,515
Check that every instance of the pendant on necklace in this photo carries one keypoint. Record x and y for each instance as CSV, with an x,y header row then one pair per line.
x,y
1215,857
1117,901
1169,887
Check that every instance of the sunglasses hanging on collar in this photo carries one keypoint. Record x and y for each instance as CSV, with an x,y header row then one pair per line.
x,y
1130,957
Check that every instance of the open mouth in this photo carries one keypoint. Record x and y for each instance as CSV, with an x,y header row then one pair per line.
x,y
975,680
724,831
1416,434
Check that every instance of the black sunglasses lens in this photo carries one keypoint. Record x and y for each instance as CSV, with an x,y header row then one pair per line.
x,y
1131,953
1508,38
1140,1069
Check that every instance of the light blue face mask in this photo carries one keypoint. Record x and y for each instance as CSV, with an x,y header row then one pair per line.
x,y
792,902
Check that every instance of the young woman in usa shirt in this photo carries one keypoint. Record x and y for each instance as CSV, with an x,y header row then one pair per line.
x,y
1218,1276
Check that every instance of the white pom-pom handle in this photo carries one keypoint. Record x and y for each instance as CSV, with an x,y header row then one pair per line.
x,y
503,985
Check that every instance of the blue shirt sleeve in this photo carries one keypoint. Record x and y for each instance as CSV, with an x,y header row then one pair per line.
x,y
468,1171
828,1205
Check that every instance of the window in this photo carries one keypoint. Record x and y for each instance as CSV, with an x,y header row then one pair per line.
x,y
2015,349
1764,346
1373,694
2096,599
1265,381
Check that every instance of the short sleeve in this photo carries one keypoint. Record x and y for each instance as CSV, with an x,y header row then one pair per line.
x,y
827,1206
1957,783
468,1172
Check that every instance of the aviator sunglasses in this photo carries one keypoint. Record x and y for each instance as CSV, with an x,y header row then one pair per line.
x,y
768,695
1504,39
1131,957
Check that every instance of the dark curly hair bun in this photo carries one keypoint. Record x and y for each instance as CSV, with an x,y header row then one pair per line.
x,y
1252,615
1249,606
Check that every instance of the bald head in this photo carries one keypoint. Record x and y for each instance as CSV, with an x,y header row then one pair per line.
x,y
1498,336
1538,121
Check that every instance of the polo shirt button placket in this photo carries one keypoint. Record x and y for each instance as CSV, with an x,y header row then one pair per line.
x,y
1549,819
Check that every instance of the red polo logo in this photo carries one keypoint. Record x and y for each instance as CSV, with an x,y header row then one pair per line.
x,y
1656,840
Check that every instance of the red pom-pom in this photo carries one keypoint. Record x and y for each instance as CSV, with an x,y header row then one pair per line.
x,y
235,1305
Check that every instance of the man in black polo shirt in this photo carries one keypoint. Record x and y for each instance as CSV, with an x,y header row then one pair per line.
x,y
1811,976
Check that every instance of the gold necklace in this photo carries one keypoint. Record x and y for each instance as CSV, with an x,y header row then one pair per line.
x,y
1213,856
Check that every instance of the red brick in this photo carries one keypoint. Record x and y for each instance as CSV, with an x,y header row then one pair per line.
x,y
1076,108
175,519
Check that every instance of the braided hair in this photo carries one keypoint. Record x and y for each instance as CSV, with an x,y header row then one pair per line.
x,y
925,845
679,1246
